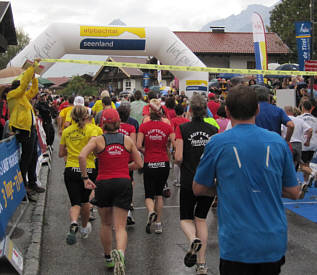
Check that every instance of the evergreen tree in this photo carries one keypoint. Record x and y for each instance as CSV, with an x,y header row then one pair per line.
x,y
78,86
282,21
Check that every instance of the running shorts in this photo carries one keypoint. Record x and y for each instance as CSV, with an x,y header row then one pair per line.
x,y
192,206
155,175
229,267
307,156
77,192
114,192
297,151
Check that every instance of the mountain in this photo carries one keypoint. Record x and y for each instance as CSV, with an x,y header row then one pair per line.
x,y
117,22
242,21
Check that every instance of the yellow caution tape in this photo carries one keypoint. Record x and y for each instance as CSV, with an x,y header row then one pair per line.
x,y
180,68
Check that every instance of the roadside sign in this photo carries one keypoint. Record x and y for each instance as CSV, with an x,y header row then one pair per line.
x,y
311,66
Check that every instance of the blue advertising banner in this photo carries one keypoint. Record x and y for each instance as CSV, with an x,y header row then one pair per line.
x,y
113,44
303,39
12,189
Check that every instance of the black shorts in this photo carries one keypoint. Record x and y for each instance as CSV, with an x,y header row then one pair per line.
x,y
114,192
237,268
192,206
155,175
77,192
307,156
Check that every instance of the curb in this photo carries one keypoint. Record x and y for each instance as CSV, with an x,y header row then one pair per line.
x,y
33,255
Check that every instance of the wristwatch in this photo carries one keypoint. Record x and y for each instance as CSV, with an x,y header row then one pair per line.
x,y
84,178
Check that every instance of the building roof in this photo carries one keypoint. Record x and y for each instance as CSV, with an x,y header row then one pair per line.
x,y
58,81
129,71
229,42
7,29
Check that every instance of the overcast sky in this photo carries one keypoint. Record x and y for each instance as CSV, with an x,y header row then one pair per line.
x,y
35,15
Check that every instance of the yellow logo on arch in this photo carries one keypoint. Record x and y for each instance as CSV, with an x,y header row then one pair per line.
x,y
97,31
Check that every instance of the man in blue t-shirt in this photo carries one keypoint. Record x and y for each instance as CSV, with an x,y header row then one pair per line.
x,y
253,169
271,117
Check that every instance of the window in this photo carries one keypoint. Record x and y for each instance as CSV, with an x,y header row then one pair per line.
x,y
128,85
251,65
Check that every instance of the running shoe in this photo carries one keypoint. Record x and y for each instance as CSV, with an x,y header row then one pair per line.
x,y
118,259
71,236
93,201
201,269
150,219
109,262
130,219
36,188
191,256
92,215
311,180
85,231
166,192
303,191
158,228
177,183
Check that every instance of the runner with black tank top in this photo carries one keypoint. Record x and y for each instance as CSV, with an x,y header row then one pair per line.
x,y
113,188
155,135
191,138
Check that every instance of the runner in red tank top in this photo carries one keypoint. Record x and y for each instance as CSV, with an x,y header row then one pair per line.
x,y
113,189
128,130
155,134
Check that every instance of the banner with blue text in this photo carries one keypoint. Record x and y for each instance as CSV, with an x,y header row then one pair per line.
x,y
303,38
12,189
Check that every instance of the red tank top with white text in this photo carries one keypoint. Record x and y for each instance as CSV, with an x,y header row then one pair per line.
x,y
156,135
113,160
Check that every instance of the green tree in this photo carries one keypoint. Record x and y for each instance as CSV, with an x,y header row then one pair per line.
x,y
23,40
282,21
78,86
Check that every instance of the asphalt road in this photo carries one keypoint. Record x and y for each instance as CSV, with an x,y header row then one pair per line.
x,y
150,254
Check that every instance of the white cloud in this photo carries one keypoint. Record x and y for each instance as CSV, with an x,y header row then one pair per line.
x,y
34,16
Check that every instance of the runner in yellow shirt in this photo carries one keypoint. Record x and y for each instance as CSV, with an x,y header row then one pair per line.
x,y
74,138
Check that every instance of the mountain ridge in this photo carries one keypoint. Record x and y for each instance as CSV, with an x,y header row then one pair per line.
x,y
242,21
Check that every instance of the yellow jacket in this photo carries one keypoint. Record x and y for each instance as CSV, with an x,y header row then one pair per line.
x,y
20,108
99,107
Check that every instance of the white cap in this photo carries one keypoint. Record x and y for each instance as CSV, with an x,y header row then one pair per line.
x,y
79,100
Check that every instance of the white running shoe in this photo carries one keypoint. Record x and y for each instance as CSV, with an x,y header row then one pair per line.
x,y
158,228
85,231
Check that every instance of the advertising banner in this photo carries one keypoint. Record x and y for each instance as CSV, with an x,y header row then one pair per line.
x,y
113,38
303,39
197,85
12,189
259,41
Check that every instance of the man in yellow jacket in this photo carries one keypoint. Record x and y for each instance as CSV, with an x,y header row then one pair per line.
x,y
98,105
22,123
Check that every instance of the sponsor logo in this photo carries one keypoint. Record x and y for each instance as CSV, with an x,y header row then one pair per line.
x,y
111,31
198,139
114,150
113,44
154,165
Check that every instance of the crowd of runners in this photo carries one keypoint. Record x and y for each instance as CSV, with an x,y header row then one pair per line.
x,y
219,157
